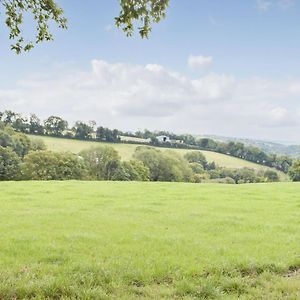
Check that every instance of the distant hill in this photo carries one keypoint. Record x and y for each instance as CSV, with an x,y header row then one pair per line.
x,y
126,152
266,146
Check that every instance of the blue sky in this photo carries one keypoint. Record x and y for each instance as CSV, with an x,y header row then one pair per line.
x,y
248,87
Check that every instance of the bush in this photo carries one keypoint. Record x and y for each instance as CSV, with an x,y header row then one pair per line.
x,y
133,170
47,165
294,171
196,157
9,164
21,144
226,180
37,144
5,139
164,166
197,168
102,162
271,176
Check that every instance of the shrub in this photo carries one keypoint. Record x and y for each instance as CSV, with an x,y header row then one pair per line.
x,y
102,162
37,144
164,166
21,144
47,165
197,168
294,171
133,170
9,164
5,139
196,157
271,176
226,180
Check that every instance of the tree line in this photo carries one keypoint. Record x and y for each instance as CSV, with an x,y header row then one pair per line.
x,y
58,127
24,158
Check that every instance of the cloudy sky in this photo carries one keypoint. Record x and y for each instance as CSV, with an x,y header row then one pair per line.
x,y
212,67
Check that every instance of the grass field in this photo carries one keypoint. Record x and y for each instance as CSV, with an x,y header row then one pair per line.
x,y
128,240
126,151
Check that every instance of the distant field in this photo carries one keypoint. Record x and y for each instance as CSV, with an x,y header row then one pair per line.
x,y
126,151
128,240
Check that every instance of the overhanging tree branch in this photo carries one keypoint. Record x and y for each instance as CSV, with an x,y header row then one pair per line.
x,y
132,12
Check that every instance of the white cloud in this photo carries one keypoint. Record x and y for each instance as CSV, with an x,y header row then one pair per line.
x,y
131,97
199,61
263,5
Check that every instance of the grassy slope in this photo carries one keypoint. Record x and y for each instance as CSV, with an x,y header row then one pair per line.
x,y
110,240
126,151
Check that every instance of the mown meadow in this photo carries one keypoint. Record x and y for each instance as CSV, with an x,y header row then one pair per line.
x,y
129,240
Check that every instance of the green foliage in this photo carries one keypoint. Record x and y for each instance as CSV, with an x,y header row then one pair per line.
x,y
82,130
143,11
196,157
5,139
107,135
43,13
294,171
37,144
197,168
133,170
164,166
47,165
9,164
242,175
271,176
35,125
102,162
55,126
21,144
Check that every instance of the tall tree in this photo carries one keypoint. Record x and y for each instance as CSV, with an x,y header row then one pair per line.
x,y
55,126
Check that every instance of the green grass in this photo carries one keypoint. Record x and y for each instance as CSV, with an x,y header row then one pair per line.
x,y
128,240
126,151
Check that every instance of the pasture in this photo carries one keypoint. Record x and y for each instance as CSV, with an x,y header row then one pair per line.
x,y
129,240
126,151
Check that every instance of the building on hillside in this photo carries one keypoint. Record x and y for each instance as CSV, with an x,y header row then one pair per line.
x,y
163,139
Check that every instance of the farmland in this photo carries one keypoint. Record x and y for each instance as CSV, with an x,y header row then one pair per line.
x,y
126,151
129,240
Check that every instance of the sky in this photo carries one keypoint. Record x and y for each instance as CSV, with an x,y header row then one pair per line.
x,y
218,67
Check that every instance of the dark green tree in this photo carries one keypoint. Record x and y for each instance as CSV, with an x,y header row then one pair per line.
x,y
133,170
196,157
47,165
271,176
5,139
82,130
35,125
102,162
9,164
55,126
294,171
21,144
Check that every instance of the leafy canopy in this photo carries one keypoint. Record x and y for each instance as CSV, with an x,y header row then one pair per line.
x,y
144,12
42,11
140,12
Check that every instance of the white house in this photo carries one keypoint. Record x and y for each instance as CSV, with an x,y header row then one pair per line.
x,y
163,138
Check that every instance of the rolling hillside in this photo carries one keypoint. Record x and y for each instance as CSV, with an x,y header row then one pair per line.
x,y
126,151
